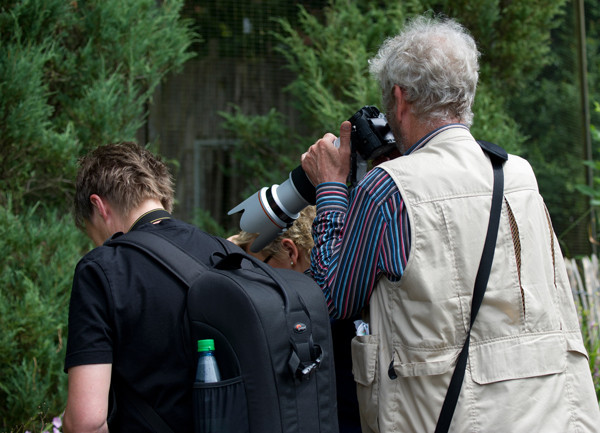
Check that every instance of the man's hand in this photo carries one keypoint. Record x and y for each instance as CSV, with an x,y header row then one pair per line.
x,y
323,162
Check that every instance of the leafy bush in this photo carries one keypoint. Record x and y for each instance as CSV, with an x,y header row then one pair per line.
x,y
493,123
590,330
40,249
330,59
265,149
329,55
36,158
75,75
593,191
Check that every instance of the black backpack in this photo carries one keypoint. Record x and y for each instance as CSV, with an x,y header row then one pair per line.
x,y
272,337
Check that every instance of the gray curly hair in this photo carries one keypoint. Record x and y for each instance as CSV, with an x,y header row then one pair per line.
x,y
435,61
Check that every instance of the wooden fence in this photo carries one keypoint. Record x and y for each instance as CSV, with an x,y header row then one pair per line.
x,y
184,120
584,275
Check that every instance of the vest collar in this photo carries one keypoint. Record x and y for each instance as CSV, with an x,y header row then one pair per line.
x,y
427,138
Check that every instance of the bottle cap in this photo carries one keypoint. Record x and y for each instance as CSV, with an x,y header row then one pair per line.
x,y
206,345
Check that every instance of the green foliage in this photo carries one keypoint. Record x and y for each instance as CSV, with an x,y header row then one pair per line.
x,y
590,331
593,191
120,50
330,62
513,36
330,59
39,255
549,112
36,159
493,123
240,28
74,75
592,10
203,220
329,54
266,150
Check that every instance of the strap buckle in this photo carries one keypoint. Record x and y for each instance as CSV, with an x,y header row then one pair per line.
x,y
303,370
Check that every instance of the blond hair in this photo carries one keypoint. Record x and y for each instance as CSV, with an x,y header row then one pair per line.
x,y
299,232
123,173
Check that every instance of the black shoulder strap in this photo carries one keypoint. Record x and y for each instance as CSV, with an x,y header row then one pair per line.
x,y
498,156
158,424
180,263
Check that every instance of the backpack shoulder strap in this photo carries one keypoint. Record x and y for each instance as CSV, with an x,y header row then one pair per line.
x,y
186,267
152,417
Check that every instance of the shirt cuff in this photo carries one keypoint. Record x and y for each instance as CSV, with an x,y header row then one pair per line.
x,y
332,197
88,357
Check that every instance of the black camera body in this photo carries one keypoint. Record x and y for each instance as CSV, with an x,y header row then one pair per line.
x,y
371,134
371,138
270,211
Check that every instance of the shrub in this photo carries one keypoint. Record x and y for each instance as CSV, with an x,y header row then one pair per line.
x,y
40,249
74,75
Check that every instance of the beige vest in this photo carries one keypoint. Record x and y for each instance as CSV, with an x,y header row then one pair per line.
x,y
527,368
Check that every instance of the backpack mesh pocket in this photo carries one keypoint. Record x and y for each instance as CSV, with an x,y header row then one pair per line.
x,y
220,407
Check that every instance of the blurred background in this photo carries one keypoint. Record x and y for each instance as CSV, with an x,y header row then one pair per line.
x,y
231,93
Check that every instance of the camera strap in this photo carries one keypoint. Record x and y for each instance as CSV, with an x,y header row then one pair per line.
x,y
498,156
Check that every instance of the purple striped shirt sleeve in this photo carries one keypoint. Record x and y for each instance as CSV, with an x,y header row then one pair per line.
x,y
357,240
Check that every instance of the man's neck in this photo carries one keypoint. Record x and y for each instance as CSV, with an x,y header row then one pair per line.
x,y
146,206
421,129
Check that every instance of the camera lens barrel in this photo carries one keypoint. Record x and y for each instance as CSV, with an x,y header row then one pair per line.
x,y
303,185
271,210
276,209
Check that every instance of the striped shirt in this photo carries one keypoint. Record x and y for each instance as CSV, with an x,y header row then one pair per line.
x,y
360,237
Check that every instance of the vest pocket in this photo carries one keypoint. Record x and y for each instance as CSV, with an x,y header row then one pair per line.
x,y
575,344
439,362
518,358
365,350
364,358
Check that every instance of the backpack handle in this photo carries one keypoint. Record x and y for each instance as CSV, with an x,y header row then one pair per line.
x,y
234,261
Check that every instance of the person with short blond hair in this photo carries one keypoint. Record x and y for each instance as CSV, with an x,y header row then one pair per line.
x,y
126,174
290,250
126,327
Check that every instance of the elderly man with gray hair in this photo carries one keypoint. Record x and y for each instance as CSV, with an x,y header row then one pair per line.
x,y
404,248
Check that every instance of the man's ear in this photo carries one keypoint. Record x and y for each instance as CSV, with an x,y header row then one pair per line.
x,y
101,205
400,103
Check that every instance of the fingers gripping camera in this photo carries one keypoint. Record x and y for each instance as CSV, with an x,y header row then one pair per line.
x,y
270,211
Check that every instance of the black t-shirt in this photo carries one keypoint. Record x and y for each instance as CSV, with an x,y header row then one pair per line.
x,y
127,310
